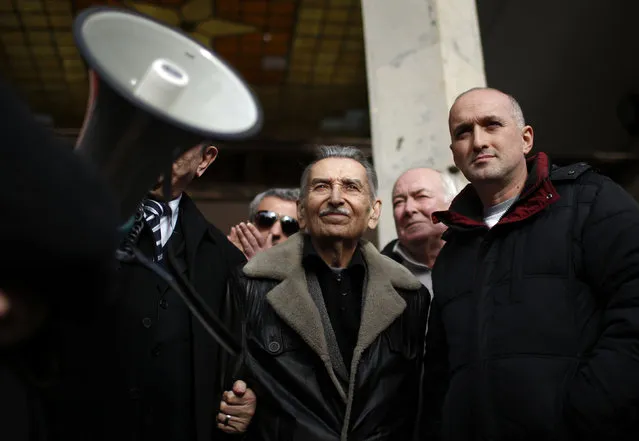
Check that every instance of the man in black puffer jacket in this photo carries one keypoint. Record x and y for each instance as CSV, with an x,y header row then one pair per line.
x,y
537,289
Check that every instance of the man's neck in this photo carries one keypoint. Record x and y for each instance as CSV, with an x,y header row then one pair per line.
x,y
493,193
426,252
335,253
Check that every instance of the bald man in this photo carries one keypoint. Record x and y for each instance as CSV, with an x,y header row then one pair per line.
x,y
417,194
537,290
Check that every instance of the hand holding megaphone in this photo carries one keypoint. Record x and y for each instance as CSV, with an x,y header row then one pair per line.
x,y
154,93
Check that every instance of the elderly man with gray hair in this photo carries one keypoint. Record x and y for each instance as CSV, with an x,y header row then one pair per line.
x,y
417,194
272,220
333,331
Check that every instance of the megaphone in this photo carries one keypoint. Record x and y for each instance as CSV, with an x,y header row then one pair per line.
x,y
154,93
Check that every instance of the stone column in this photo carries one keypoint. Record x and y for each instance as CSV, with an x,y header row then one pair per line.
x,y
420,55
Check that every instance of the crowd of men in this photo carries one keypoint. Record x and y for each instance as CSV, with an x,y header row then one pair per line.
x,y
507,311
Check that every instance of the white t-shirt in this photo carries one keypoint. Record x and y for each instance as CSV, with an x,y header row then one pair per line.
x,y
494,213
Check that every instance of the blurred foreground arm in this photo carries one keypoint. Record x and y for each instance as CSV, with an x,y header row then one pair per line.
x,y
58,231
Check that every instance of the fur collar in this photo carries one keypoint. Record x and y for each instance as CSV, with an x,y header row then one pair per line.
x,y
280,262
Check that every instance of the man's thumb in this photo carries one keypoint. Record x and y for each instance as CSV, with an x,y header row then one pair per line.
x,y
239,388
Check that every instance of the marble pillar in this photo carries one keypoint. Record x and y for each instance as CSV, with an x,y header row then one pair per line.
x,y
420,55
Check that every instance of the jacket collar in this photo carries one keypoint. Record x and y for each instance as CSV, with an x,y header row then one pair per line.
x,y
467,211
195,227
292,301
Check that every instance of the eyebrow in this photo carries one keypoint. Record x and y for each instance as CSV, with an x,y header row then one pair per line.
x,y
328,180
352,181
468,125
419,190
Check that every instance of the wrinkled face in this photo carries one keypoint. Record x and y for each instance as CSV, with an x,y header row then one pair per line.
x,y
486,140
338,202
281,208
416,196
192,164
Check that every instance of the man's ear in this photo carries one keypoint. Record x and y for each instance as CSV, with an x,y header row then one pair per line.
x,y
376,212
208,156
528,136
300,214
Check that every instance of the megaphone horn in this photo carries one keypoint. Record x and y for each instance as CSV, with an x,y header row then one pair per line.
x,y
154,93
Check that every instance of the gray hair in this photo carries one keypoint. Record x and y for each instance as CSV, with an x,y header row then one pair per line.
x,y
449,185
336,151
517,113
285,194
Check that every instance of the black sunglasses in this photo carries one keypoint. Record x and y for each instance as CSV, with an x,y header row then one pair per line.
x,y
266,219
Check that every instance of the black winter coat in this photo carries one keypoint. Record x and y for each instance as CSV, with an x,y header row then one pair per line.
x,y
287,361
541,313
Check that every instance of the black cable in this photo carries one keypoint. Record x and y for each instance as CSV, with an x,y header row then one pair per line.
x,y
128,252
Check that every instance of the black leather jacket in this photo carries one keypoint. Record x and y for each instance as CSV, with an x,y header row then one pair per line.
x,y
286,360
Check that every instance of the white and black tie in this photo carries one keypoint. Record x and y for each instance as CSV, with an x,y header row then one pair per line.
x,y
153,213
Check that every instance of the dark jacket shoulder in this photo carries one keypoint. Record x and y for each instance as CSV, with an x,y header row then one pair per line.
x,y
388,251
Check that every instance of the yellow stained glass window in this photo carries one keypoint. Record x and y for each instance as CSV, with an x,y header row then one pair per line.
x,y
48,62
299,77
50,74
326,58
331,30
61,21
309,28
38,38
341,3
17,51
35,20
39,51
68,51
57,6
329,45
353,45
337,15
305,43
64,38
11,38
302,56
311,14
9,21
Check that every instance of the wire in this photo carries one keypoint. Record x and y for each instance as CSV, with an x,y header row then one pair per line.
x,y
129,253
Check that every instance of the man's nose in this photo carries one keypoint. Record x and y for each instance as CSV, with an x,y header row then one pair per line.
x,y
336,195
410,207
276,230
480,138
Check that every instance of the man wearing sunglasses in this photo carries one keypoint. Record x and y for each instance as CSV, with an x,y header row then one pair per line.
x,y
333,331
272,220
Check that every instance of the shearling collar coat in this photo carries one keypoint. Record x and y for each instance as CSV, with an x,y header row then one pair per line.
x,y
288,360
